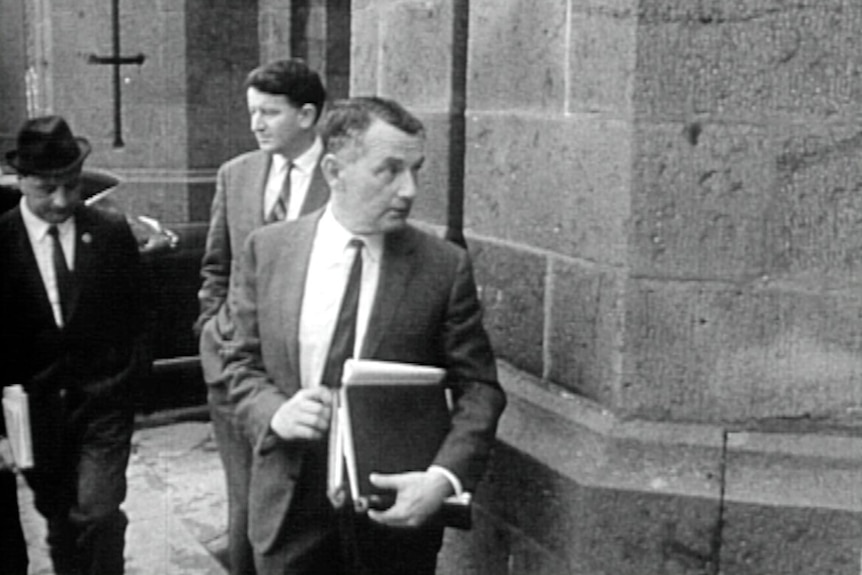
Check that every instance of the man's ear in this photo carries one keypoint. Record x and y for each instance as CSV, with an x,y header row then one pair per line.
x,y
331,167
307,116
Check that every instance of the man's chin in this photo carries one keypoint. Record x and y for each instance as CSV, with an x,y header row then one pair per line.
x,y
394,224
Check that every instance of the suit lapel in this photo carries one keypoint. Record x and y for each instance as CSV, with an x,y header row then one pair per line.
x,y
257,176
395,272
85,237
30,268
290,282
318,192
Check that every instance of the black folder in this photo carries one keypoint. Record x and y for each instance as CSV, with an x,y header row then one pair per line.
x,y
395,418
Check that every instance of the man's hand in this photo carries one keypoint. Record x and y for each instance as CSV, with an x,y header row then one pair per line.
x,y
305,415
7,460
419,496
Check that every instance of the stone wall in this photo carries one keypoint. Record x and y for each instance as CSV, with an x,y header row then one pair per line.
x,y
744,246
13,69
660,197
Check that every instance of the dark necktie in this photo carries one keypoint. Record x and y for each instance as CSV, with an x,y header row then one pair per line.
x,y
65,279
344,335
279,211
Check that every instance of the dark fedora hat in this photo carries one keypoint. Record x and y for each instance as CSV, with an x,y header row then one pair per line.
x,y
46,147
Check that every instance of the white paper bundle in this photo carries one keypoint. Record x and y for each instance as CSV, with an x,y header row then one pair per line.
x,y
16,411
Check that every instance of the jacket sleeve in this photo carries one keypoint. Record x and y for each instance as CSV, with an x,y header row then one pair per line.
x,y
216,263
471,373
256,396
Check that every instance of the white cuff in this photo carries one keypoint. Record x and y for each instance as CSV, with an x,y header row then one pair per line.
x,y
453,479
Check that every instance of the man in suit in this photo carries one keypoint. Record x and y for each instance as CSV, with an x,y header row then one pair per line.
x,y
71,334
414,300
280,181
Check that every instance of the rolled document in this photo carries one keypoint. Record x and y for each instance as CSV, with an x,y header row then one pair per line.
x,y
16,411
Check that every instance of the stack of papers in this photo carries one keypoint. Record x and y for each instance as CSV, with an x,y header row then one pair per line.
x,y
388,417
16,412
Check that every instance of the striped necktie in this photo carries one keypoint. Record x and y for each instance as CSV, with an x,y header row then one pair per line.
x,y
279,211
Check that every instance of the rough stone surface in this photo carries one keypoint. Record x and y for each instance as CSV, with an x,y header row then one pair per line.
x,y
584,323
364,49
696,351
584,530
13,58
699,200
176,505
274,21
516,55
511,286
602,61
432,202
426,27
554,184
748,59
813,236
760,539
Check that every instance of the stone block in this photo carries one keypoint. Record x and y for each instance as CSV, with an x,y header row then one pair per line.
x,y
511,285
790,541
432,203
820,533
564,527
416,53
714,352
699,199
484,550
584,328
602,62
516,55
814,239
274,31
13,58
364,50
747,59
559,184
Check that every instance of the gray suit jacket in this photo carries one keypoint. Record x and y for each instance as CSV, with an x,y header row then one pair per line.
x,y
237,209
426,311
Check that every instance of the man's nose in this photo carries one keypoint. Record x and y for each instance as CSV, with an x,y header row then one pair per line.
x,y
62,197
409,186
256,123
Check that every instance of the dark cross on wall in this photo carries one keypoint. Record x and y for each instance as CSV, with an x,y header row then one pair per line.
x,y
117,61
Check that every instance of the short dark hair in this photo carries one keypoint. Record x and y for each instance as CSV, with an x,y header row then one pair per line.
x,y
347,120
291,78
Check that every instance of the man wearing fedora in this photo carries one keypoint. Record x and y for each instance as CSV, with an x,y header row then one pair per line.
x,y
71,334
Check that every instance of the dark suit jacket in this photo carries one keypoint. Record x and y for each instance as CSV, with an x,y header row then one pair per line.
x,y
97,355
237,209
426,311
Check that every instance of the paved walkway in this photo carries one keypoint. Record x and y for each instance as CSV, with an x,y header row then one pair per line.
x,y
176,505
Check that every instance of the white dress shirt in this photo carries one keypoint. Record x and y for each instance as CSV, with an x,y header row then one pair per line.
x,y
300,179
328,269
43,249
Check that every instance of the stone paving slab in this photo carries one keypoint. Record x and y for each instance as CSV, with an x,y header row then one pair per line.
x,y
176,505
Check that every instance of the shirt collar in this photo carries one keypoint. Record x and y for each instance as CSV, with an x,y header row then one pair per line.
x,y
305,162
38,227
336,237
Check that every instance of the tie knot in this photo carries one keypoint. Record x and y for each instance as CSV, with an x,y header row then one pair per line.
x,y
356,244
53,231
